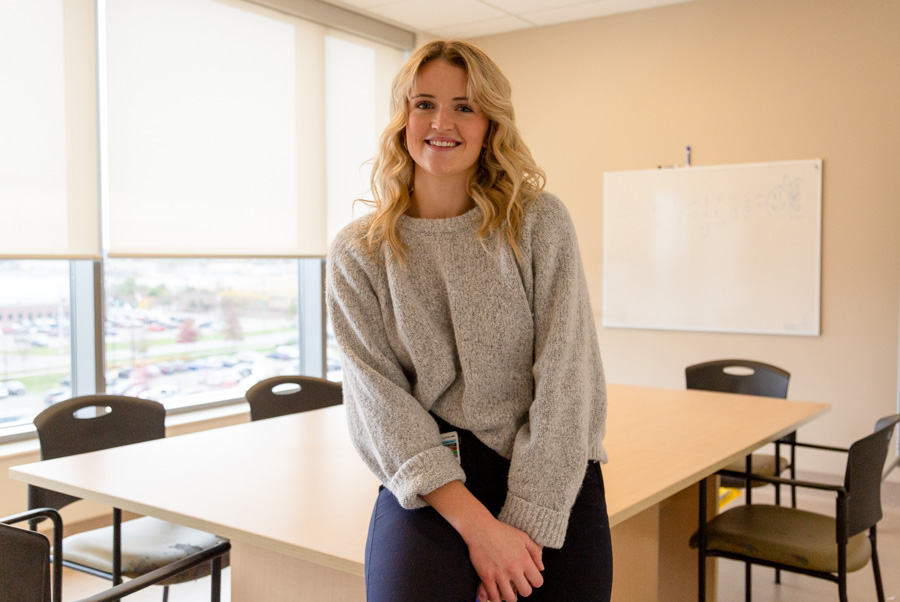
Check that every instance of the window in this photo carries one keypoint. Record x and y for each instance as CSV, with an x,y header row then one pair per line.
x,y
35,364
191,159
185,330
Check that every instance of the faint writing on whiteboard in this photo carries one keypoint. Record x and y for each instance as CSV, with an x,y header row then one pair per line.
x,y
732,248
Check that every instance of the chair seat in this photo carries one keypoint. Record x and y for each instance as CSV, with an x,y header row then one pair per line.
x,y
147,544
763,464
784,535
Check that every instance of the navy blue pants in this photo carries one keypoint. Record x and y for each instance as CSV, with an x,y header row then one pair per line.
x,y
416,556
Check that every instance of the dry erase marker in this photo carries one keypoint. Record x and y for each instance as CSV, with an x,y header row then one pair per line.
x,y
687,157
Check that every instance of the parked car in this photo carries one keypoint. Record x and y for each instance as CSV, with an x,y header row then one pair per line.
x,y
285,352
56,395
14,387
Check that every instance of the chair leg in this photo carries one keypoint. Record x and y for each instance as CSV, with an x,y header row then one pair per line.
x,y
842,570
748,489
793,475
748,582
778,492
777,472
876,568
117,548
165,593
216,573
701,547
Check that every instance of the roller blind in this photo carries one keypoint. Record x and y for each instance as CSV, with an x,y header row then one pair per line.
x,y
48,134
358,77
217,130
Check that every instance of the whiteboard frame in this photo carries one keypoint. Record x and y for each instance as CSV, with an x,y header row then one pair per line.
x,y
816,319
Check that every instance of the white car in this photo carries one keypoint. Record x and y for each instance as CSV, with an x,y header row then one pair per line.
x,y
58,394
14,387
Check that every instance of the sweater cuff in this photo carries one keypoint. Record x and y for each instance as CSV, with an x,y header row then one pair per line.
x,y
422,474
544,526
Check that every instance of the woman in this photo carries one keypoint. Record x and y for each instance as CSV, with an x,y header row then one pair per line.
x,y
472,376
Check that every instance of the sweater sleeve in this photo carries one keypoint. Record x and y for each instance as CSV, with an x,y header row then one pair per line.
x,y
395,436
552,448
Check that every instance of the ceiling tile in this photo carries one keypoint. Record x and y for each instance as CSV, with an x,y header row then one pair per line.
x,y
590,10
520,7
427,16
360,3
482,28
471,18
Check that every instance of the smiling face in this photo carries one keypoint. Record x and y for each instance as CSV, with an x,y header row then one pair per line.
x,y
445,130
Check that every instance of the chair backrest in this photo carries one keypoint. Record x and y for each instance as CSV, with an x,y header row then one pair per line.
x,y
121,420
887,421
862,481
307,393
24,565
726,376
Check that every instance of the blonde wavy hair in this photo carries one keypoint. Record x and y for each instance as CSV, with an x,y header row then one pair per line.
x,y
506,180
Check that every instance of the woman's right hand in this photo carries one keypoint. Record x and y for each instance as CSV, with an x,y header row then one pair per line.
x,y
504,557
507,561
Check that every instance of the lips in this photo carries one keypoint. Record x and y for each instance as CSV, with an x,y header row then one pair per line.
x,y
442,143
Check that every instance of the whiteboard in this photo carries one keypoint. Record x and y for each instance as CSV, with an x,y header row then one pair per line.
x,y
731,248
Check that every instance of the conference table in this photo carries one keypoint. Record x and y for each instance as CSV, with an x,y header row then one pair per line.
x,y
294,498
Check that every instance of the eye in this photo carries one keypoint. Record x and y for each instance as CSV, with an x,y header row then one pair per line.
x,y
424,104
466,109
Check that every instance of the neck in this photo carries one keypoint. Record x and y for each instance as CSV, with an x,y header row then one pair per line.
x,y
436,199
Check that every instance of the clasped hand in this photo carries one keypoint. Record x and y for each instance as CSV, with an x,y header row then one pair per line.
x,y
507,561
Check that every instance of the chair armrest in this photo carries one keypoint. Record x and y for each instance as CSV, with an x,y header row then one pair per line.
x,y
821,447
56,519
21,517
783,481
160,574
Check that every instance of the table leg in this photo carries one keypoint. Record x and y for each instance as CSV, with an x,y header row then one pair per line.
x,y
635,557
677,561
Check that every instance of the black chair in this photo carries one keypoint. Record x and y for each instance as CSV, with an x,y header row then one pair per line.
x,y
281,395
806,542
132,548
25,558
726,376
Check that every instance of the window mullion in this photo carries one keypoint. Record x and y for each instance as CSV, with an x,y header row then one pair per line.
x,y
86,323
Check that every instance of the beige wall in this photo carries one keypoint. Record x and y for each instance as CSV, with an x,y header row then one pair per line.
x,y
739,82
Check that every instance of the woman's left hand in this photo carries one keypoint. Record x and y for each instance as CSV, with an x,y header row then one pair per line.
x,y
507,561
482,590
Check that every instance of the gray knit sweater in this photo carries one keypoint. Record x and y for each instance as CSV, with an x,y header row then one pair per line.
x,y
504,350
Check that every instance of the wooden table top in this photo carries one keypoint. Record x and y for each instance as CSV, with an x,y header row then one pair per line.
x,y
296,486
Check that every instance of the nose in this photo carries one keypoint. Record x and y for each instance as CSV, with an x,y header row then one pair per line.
x,y
443,120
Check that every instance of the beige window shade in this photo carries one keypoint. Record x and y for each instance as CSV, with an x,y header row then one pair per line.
x,y
215,130
358,78
48,130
